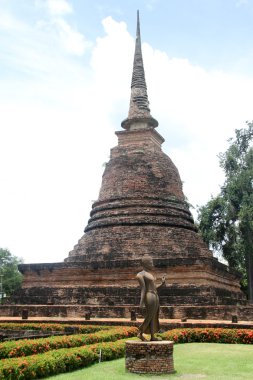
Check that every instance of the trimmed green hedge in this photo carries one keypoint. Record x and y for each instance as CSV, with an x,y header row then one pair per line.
x,y
209,335
58,361
85,329
27,347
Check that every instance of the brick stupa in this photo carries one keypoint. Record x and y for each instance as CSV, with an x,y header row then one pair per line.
x,y
141,209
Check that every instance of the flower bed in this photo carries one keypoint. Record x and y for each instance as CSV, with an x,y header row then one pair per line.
x,y
209,335
85,329
58,361
30,346
78,351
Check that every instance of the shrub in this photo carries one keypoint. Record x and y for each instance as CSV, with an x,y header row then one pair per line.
x,y
27,347
58,361
210,335
85,329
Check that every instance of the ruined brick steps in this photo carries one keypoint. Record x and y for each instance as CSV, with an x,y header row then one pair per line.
x,y
201,271
140,211
121,242
219,313
112,296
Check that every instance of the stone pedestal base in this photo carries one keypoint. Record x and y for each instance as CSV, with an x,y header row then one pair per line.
x,y
149,357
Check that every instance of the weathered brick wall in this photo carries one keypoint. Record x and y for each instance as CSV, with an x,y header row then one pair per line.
x,y
140,168
149,357
201,312
120,295
131,242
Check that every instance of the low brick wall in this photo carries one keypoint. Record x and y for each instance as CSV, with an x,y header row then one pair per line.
x,y
149,357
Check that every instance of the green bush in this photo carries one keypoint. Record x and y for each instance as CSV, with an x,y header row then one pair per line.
x,y
209,335
85,329
58,361
27,347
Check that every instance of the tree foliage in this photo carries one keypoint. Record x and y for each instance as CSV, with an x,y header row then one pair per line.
x,y
226,221
11,277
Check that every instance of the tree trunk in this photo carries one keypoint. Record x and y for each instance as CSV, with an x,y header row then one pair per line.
x,y
249,264
247,234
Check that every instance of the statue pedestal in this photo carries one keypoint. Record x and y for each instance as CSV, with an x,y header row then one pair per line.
x,y
149,357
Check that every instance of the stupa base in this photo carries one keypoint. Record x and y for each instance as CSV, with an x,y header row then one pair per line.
x,y
198,312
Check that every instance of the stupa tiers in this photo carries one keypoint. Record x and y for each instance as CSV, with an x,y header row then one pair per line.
x,y
141,209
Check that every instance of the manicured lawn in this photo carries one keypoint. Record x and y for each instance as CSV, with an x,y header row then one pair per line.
x,y
208,361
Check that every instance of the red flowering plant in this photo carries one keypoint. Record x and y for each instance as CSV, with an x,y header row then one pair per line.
x,y
210,335
59,361
35,346
85,329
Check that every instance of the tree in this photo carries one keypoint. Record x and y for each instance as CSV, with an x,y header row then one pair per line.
x,y
226,221
11,277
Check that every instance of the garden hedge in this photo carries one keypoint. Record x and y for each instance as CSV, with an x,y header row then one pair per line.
x,y
209,335
58,361
27,347
68,353
85,329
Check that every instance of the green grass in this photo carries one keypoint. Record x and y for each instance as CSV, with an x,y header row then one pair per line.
x,y
193,361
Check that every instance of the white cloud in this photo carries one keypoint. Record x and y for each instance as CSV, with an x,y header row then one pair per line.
x,y
111,62
73,41
49,122
59,7
9,22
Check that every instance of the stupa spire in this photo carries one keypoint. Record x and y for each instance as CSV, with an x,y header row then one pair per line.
x,y
139,116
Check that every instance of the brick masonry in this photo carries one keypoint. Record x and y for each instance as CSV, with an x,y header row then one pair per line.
x,y
149,357
141,209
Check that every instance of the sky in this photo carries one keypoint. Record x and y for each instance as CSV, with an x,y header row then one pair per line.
x,y
65,74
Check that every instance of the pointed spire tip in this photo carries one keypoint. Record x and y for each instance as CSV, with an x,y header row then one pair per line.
x,y
139,105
